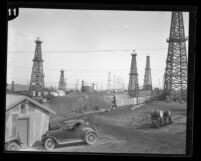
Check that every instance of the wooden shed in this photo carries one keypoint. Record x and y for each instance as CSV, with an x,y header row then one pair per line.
x,y
27,118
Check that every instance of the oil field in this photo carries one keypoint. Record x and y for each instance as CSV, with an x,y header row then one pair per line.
x,y
91,100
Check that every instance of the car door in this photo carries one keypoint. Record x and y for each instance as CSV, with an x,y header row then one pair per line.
x,y
78,132
63,135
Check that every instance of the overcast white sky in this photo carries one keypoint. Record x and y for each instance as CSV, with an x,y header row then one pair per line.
x,y
69,35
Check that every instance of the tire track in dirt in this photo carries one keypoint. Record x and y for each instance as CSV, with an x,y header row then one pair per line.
x,y
140,141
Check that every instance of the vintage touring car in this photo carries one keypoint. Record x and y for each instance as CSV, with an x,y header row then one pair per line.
x,y
71,131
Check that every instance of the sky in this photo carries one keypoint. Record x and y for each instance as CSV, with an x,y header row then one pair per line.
x,y
88,44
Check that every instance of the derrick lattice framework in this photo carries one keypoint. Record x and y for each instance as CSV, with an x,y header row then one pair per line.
x,y
147,76
37,77
62,83
133,87
175,82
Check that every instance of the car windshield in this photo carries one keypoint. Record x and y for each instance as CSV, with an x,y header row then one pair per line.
x,y
76,125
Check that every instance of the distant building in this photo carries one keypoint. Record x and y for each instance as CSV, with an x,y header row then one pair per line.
x,y
46,92
57,93
27,118
61,93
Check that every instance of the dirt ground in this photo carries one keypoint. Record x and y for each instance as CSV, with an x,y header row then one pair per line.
x,y
129,131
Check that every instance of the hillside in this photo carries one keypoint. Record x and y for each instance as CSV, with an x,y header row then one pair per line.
x,y
19,87
64,106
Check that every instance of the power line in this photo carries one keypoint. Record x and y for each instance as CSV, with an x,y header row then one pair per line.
x,y
80,51
70,70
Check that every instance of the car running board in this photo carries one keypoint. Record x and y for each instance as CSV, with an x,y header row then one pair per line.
x,y
70,141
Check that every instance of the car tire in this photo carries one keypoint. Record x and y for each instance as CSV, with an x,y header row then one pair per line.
x,y
169,120
155,123
90,138
13,146
161,122
49,144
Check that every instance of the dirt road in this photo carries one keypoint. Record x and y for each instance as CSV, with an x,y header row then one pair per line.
x,y
129,131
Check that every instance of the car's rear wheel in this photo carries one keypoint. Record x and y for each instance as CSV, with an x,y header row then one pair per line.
x,y
49,144
90,138
13,146
161,122
155,123
169,120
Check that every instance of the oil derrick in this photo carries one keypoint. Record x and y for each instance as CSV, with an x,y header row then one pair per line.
x,y
147,76
133,87
175,80
82,86
109,82
37,77
62,83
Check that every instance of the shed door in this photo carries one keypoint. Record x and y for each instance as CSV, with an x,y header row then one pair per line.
x,y
22,130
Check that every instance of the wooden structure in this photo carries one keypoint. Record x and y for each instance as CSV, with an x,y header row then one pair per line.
x,y
27,118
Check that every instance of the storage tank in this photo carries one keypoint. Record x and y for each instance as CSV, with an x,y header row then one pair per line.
x,y
87,89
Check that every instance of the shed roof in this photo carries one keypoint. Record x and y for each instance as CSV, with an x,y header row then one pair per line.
x,y
12,100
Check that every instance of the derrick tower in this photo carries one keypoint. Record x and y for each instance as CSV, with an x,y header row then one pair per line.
x,y
147,76
37,77
133,87
175,78
62,83
109,85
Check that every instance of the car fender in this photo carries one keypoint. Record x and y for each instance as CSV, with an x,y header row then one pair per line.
x,y
87,131
50,137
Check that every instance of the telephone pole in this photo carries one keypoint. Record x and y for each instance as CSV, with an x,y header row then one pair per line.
x,y
109,82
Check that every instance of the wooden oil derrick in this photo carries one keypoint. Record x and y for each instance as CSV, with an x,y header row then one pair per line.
x,y
62,83
37,77
133,87
175,82
147,76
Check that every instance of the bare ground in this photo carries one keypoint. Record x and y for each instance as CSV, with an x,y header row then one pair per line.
x,y
130,131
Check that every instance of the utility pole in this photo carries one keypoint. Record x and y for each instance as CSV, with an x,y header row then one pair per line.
x,y
109,82
13,86
77,84
93,95
114,82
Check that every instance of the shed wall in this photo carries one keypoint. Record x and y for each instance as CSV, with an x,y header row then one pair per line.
x,y
38,121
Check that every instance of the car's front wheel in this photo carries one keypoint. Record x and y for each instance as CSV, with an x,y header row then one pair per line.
x,y
49,144
90,138
13,146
